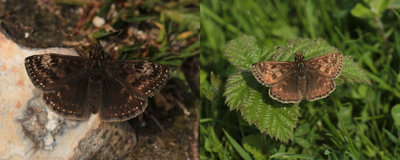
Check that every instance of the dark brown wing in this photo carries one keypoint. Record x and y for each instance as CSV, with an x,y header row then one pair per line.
x,y
119,103
269,73
318,87
46,71
70,99
142,78
328,66
288,90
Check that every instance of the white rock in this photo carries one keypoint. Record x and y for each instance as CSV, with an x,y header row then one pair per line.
x,y
98,21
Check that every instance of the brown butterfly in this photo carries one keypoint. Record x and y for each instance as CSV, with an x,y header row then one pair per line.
x,y
291,82
76,87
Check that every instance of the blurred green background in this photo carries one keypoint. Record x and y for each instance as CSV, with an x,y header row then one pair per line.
x,y
358,121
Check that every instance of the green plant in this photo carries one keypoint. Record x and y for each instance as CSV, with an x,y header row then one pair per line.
x,y
357,121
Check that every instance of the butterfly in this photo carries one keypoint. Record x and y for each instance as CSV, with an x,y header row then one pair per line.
x,y
291,82
76,87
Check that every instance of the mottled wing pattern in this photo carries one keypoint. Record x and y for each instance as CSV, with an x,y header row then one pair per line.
x,y
70,99
142,78
288,90
269,73
122,107
75,87
47,71
328,66
318,86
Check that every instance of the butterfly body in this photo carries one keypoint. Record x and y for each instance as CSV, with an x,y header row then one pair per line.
x,y
76,87
290,82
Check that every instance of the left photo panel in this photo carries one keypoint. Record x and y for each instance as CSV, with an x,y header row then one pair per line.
x,y
103,79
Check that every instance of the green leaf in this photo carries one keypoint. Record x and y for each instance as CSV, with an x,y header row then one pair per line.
x,y
352,72
380,5
203,76
188,19
396,116
392,137
244,93
302,142
237,147
215,82
243,52
362,11
101,33
190,50
131,18
291,156
302,130
253,144
374,8
211,143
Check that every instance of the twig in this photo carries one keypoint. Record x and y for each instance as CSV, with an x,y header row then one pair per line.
x,y
195,142
382,32
157,123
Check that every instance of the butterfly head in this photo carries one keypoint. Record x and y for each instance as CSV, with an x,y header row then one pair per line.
x,y
299,57
96,52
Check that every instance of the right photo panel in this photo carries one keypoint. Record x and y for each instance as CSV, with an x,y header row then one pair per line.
x,y
300,79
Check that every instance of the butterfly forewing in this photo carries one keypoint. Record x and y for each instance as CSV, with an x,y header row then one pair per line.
x,y
48,71
142,78
269,73
328,66
318,87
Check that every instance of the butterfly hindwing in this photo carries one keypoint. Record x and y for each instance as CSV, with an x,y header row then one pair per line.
x,y
288,90
318,87
70,99
122,107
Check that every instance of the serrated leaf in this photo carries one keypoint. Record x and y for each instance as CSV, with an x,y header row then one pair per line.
x,y
242,52
244,93
309,48
352,72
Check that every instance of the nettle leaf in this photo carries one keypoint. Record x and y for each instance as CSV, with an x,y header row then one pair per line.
x,y
243,52
244,93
